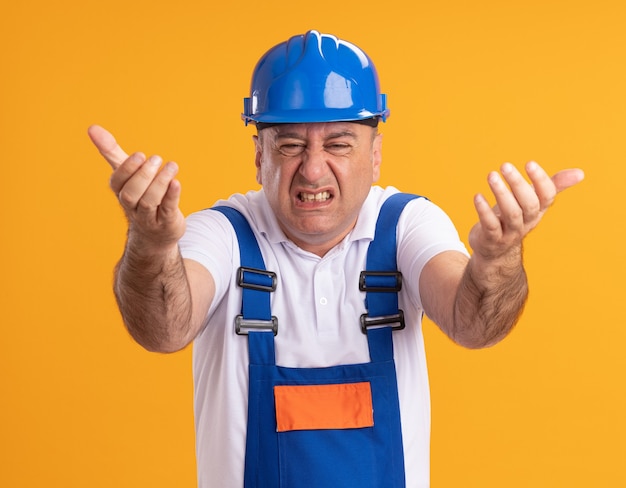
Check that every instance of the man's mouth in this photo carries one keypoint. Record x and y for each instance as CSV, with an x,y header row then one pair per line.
x,y
314,197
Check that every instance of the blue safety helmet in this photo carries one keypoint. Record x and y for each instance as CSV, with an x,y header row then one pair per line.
x,y
314,78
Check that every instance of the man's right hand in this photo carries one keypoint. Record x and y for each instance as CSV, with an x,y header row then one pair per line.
x,y
148,192
163,298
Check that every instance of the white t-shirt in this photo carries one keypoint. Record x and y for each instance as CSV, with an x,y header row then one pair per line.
x,y
318,305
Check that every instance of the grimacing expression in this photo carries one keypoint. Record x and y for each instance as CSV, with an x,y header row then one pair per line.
x,y
316,177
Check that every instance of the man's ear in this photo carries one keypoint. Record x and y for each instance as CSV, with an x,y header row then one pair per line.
x,y
258,151
377,157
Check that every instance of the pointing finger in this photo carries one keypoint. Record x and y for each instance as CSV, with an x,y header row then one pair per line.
x,y
107,145
547,187
567,178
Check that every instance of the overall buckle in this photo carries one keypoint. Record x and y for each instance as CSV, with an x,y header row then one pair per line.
x,y
263,280
382,280
258,280
244,326
368,322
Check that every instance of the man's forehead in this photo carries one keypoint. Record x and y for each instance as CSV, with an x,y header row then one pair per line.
x,y
324,128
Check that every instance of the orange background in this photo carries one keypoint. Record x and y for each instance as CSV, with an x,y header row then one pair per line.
x,y
470,85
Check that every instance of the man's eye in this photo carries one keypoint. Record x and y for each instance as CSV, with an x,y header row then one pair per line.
x,y
291,149
338,148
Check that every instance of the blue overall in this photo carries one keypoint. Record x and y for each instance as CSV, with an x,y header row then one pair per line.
x,y
331,454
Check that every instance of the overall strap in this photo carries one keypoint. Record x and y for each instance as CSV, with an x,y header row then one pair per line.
x,y
382,281
257,283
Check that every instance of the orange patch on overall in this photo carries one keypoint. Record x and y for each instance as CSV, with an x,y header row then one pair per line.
x,y
314,407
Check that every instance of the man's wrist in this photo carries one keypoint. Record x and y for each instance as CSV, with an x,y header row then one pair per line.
x,y
495,269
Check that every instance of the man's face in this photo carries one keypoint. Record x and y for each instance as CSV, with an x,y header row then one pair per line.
x,y
316,177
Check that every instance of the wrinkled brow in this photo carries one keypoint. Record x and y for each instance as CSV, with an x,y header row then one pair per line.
x,y
332,135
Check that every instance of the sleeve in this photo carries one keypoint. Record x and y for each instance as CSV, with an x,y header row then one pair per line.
x,y
209,239
424,230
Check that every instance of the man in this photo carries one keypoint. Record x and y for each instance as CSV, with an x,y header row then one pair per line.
x,y
328,401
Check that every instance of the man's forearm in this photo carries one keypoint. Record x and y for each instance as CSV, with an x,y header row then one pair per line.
x,y
489,300
153,295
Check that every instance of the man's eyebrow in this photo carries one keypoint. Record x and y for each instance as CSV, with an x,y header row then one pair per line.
x,y
332,135
343,133
289,135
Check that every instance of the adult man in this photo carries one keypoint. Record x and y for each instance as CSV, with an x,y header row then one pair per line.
x,y
316,103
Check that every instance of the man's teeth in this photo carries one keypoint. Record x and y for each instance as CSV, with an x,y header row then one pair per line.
x,y
315,197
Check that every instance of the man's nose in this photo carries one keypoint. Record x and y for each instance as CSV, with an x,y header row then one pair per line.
x,y
314,164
